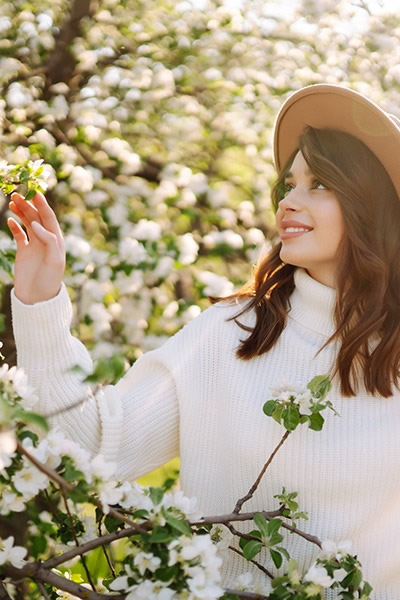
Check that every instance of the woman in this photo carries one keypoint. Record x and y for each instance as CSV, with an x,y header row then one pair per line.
x,y
325,300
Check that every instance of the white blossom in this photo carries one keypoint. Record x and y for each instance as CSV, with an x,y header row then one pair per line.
x,y
188,249
338,550
8,445
319,576
146,561
29,481
146,230
81,179
215,285
12,554
132,252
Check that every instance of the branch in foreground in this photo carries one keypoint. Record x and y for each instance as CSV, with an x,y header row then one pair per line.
x,y
255,485
257,564
234,517
67,487
249,595
40,575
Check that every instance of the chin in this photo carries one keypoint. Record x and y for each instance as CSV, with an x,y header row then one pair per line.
x,y
289,259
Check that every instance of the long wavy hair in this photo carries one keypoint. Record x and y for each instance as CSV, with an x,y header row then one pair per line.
x,y
367,310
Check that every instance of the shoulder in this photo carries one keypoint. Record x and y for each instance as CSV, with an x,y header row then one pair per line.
x,y
214,325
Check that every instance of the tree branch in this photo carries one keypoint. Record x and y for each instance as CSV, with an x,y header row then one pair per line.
x,y
61,63
248,595
91,545
257,564
255,485
38,574
68,487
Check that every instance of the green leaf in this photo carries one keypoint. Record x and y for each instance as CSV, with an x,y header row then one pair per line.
x,y
112,524
254,533
316,421
21,435
156,495
30,194
262,524
277,414
159,535
276,557
320,385
38,545
367,589
269,407
291,418
273,526
251,549
167,573
177,524
32,418
284,552
5,264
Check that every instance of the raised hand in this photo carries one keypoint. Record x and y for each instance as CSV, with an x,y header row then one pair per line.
x,y
40,259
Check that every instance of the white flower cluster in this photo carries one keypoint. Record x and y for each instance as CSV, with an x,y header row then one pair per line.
x,y
302,397
318,575
14,387
12,554
199,560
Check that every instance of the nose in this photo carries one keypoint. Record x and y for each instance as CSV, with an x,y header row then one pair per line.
x,y
292,201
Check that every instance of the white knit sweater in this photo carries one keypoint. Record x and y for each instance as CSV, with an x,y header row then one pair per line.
x,y
193,397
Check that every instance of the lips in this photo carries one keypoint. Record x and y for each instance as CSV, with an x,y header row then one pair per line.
x,y
295,224
292,229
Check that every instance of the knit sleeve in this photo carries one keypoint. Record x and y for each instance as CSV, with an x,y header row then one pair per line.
x,y
134,422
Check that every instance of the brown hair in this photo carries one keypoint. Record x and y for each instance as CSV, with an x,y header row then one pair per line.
x,y
367,311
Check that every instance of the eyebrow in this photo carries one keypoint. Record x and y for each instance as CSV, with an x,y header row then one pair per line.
x,y
289,174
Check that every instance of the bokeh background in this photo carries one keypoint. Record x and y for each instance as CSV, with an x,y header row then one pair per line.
x,y
155,118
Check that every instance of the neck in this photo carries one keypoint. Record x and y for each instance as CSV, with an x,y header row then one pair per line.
x,y
313,304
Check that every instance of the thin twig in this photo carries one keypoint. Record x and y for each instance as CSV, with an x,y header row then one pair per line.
x,y
108,559
51,563
83,559
37,573
68,487
43,590
244,536
228,517
249,595
257,564
255,485
233,517
65,409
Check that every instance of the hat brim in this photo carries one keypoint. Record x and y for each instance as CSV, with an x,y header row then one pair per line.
x,y
328,106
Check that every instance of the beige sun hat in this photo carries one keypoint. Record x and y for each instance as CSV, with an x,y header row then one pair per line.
x,y
336,107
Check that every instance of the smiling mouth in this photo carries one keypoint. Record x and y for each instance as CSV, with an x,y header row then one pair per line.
x,y
291,232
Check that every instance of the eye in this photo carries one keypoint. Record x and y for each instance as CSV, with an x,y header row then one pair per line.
x,y
318,183
286,187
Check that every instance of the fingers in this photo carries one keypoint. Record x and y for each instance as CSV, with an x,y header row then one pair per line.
x,y
48,217
49,239
18,233
30,212
14,208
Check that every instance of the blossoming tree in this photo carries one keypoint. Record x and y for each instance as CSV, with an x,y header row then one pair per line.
x,y
154,121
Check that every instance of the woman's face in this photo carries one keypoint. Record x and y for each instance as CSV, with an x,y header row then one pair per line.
x,y
310,224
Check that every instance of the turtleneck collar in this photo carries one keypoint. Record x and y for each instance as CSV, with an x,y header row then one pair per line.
x,y
313,304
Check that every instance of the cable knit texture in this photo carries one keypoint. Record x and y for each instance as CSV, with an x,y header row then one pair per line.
x,y
193,397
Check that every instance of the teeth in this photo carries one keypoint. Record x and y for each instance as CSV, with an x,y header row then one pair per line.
x,y
295,229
